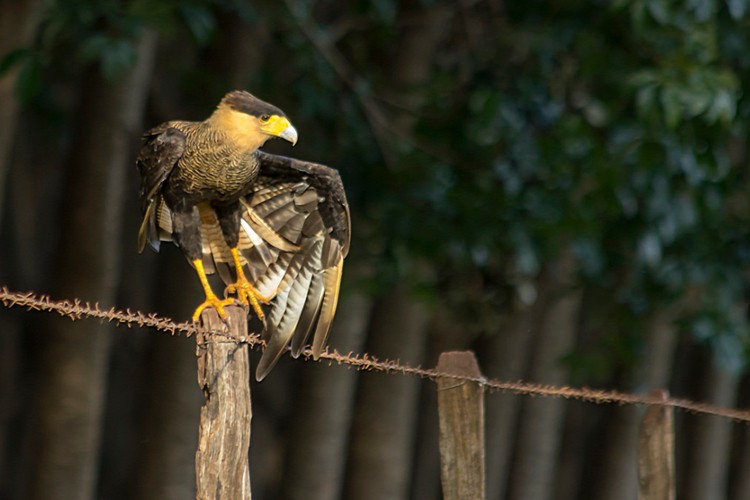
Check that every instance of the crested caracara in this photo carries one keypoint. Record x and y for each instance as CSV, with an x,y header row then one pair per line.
x,y
275,229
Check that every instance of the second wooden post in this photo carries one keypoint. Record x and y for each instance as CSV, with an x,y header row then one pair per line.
x,y
461,409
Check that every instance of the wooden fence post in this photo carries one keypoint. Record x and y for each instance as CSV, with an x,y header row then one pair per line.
x,y
656,452
221,462
461,413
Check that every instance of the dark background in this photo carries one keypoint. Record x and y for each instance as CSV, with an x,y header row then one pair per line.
x,y
561,187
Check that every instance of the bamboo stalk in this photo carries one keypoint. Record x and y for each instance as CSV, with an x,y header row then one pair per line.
x,y
221,462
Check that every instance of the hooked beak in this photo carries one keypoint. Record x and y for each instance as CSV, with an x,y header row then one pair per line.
x,y
279,126
289,134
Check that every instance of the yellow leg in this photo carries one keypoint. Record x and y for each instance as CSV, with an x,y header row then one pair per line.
x,y
245,291
211,299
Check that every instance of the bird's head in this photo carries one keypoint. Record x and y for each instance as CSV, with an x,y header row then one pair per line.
x,y
251,122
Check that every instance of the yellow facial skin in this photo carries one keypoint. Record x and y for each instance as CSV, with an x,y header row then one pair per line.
x,y
251,132
278,126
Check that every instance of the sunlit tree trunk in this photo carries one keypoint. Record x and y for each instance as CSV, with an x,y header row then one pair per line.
x,y
541,420
73,358
380,454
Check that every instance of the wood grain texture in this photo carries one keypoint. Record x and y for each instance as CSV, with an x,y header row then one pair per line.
x,y
656,469
221,462
461,413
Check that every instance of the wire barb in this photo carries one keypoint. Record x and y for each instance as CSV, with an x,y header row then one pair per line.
x,y
76,310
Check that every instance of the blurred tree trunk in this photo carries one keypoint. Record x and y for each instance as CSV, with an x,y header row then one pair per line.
x,y
413,63
541,420
581,420
380,454
13,402
242,46
426,462
129,382
18,22
73,369
323,403
29,240
707,458
168,437
507,358
741,479
618,471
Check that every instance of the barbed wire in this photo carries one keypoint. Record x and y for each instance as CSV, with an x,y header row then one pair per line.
x,y
76,310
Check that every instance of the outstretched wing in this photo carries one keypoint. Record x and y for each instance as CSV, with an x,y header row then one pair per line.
x,y
299,210
294,236
162,147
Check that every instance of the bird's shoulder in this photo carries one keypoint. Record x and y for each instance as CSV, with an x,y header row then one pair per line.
x,y
166,139
182,126
162,147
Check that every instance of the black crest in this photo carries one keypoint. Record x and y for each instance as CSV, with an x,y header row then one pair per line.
x,y
245,102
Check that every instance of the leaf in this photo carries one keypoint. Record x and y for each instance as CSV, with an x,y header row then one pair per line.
x,y
659,10
737,8
723,108
650,250
729,352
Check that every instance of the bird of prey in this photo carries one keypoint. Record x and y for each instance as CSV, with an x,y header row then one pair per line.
x,y
274,228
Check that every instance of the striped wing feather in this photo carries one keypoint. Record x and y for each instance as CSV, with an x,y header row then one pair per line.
x,y
305,279
294,235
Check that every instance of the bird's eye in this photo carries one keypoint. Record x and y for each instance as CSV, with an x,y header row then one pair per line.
x,y
265,118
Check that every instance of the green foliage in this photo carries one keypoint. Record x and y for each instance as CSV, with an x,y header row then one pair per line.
x,y
614,131
74,34
574,130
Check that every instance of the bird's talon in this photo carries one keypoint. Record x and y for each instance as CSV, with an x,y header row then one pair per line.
x,y
216,303
248,295
246,292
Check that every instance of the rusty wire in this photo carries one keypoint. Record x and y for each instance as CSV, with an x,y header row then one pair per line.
x,y
76,310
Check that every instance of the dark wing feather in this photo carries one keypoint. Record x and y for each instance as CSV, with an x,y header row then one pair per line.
x,y
300,210
162,147
325,181
294,235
